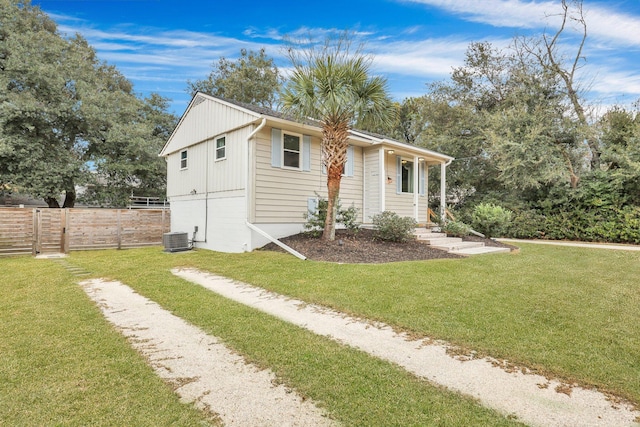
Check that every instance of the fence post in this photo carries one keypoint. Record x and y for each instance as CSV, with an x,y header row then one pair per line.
x,y
119,228
34,246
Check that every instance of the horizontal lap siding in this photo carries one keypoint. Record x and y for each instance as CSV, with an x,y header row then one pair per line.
x,y
281,195
372,184
400,203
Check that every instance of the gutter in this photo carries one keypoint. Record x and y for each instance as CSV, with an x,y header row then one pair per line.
x,y
276,241
249,224
256,130
249,184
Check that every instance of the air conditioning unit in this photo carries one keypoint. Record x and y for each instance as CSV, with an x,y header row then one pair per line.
x,y
175,242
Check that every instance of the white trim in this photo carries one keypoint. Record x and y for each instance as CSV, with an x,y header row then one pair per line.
x,y
184,159
382,177
216,148
300,150
416,187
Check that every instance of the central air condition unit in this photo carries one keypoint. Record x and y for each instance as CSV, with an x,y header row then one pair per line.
x,y
175,242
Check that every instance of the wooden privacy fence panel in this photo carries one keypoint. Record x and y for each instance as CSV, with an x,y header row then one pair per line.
x,y
62,230
16,231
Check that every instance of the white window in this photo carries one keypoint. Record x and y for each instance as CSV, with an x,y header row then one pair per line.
x,y
407,176
183,159
291,150
405,171
221,148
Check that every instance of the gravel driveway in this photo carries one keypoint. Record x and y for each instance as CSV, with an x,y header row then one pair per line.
x,y
207,373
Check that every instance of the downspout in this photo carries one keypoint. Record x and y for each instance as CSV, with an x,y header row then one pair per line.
x,y
249,190
206,202
443,184
276,241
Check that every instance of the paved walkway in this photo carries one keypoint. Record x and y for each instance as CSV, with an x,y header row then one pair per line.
x,y
530,398
619,247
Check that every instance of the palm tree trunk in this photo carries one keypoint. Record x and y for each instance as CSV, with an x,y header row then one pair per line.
x,y
333,190
334,153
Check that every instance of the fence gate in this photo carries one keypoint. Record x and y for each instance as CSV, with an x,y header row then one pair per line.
x,y
49,231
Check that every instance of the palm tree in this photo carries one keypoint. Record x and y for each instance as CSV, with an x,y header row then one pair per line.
x,y
333,85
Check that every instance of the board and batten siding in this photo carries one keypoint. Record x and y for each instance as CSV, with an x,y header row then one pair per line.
x,y
181,182
206,118
281,195
204,173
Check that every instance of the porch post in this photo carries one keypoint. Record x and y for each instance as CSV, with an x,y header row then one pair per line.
x,y
416,188
443,186
426,192
382,175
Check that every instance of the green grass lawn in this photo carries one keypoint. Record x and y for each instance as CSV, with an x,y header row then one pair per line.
x,y
61,364
568,312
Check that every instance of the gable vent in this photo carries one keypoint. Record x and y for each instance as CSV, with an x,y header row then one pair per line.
x,y
198,100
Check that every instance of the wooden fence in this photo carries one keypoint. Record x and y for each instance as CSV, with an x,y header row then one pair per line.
x,y
42,230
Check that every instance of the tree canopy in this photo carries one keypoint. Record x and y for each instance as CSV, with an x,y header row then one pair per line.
x,y
253,79
68,119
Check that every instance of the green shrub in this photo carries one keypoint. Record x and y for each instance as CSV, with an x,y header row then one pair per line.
x,y
527,224
349,218
490,220
390,226
456,228
314,224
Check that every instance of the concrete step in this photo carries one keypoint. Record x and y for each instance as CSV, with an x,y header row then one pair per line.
x,y
433,241
480,250
456,246
429,236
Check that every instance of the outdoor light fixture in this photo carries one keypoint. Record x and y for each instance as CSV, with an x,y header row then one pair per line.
x,y
421,159
390,151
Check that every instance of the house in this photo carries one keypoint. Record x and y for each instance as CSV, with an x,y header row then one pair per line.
x,y
238,175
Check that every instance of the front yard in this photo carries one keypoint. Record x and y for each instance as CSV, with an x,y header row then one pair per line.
x,y
569,313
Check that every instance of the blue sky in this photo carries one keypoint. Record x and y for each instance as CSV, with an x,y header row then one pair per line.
x,y
160,44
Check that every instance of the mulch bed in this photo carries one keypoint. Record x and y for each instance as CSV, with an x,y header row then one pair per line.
x,y
362,247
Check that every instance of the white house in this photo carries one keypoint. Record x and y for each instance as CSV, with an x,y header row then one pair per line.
x,y
239,173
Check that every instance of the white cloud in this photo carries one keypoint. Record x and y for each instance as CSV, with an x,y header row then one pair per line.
x,y
617,84
603,23
163,60
499,13
432,58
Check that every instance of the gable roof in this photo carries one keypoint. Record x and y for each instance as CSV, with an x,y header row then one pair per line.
x,y
255,113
